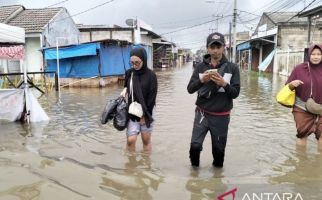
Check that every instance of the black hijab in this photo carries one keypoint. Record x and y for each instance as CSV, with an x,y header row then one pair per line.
x,y
141,53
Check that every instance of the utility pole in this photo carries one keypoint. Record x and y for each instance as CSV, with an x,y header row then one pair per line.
x,y
234,31
217,19
229,49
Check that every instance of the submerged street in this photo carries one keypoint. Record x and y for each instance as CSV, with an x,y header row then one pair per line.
x,y
73,156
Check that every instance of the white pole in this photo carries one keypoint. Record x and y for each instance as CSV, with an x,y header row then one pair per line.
x,y
24,72
57,57
27,103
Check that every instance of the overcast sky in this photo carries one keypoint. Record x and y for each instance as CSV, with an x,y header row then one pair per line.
x,y
171,15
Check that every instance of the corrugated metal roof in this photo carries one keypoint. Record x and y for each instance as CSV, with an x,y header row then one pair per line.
x,y
83,26
34,20
279,17
6,11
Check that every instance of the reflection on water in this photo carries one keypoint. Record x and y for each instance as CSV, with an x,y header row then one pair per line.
x,y
135,181
206,188
75,157
25,192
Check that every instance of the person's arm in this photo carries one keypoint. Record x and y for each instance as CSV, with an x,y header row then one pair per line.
x,y
293,81
152,93
124,91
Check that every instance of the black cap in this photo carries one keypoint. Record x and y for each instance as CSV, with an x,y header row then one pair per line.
x,y
215,38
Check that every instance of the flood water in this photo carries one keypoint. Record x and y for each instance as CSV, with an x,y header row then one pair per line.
x,y
73,156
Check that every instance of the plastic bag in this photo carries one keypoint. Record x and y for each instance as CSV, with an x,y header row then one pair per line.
x,y
286,96
121,115
109,110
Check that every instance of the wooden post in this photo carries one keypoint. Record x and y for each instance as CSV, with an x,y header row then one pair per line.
x,y
56,81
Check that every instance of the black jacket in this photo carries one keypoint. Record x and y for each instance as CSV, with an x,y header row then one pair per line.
x,y
149,87
211,97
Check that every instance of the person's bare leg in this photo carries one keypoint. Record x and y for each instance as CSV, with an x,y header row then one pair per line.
x,y
130,143
146,139
301,142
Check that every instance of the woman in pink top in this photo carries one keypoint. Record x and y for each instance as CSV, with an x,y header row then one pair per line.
x,y
300,79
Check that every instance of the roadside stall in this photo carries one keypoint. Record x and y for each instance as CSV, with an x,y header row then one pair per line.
x,y
19,103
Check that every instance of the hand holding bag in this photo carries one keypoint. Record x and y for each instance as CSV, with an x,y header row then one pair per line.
x,y
109,110
286,96
135,108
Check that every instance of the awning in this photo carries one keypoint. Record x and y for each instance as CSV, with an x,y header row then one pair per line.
x,y
72,51
12,52
11,34
243,46
263,66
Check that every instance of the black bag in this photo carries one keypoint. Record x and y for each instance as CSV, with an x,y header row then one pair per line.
x,y
121,115
109,110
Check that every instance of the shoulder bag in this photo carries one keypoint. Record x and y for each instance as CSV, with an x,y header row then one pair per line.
x,y
310,105
135,108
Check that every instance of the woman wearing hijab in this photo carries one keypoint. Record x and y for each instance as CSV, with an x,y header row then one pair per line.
x,y
144,84
306,80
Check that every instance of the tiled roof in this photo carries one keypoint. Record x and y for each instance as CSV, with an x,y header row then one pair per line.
x,y
34,20
6,11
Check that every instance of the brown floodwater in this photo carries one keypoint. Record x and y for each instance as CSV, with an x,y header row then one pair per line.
x,y
73,156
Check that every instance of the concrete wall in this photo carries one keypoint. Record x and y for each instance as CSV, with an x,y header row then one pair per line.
x,y
62,27
146,40
123,35
296,37
33,58
84,37
287,60
290,46
102,35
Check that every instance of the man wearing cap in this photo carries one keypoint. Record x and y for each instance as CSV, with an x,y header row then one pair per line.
x,y
217,82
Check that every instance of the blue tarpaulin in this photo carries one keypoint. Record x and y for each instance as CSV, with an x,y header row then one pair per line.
x,y
72,51
83,61
115,60
77,67
243,46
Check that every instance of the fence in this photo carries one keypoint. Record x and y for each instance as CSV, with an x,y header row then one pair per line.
x,y
15,80
286,60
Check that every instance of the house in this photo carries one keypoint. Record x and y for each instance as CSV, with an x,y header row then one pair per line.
x,y
44,27
281,37
157,48
240,38
91,64
165,53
